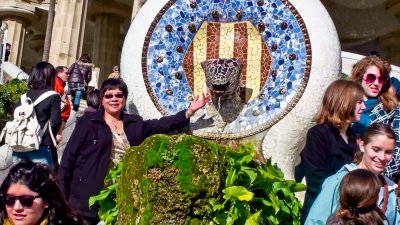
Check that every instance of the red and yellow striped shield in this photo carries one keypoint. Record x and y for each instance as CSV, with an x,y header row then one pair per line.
x,y
228,40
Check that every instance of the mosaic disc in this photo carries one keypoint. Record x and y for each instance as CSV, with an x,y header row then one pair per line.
x,y
269,36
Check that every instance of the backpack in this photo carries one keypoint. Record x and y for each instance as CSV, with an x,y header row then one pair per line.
x,y
23,133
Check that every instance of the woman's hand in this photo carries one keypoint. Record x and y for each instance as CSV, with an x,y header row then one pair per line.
x,y
197,104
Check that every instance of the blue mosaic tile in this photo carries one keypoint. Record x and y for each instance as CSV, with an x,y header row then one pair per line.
x,y
273,13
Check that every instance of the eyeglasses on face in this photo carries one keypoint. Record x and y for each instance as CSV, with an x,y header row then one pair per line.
x,y
25,200
110,96
370,78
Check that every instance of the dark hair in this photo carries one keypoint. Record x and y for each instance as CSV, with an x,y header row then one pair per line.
x,y
60,69
39,178
84,58
339,102
93,99
41,76
111,84
374,130
359,191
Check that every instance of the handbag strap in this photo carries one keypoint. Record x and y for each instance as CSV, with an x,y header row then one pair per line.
x,y
44,96
37,101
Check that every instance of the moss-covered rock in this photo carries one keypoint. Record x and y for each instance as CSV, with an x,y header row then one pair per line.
x,y
169,180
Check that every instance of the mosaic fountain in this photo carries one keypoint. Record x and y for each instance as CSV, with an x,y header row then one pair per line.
x,y
265,64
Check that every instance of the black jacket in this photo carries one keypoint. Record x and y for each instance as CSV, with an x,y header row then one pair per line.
x,y
323,155
48,109
80,72
86,158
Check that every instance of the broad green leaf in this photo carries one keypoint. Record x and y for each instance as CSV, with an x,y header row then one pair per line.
x,y
244,160
215,206
254,219
263,201
250,172
103,195
238,192
297,187
273,219
113,187
231,177
284,208
274,201
220,218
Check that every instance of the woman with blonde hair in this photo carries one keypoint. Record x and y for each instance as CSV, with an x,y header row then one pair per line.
x,y
329,144
381,102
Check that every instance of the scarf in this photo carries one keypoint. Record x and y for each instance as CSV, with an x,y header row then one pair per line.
x,y
359,127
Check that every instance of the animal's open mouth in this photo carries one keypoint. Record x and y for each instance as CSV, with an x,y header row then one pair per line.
x,y
220,89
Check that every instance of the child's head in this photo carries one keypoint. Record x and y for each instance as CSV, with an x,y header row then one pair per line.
x,y
340,104
359,191
93,99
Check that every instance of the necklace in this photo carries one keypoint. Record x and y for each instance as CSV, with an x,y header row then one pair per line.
x,y
114,124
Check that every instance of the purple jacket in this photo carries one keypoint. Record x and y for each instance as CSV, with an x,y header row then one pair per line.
x,y
86,158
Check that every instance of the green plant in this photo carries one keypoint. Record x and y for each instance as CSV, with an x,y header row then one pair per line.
x,y
108,206
252,193
256,194
10,92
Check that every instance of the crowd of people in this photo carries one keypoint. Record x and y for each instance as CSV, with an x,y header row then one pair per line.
x,y
31,193
357,129
350,161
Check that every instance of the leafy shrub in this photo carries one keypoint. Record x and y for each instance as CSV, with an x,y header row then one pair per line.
x,y
10,92
256,194
252,193
109,208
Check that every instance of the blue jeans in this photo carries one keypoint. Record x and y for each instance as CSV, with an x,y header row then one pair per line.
x,y
42,155
76,97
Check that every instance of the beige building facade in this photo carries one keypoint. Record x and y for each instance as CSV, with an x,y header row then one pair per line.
x,y
98,27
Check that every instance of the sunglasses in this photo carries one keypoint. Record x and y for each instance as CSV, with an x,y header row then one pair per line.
x,y
110,96
370,78
25,200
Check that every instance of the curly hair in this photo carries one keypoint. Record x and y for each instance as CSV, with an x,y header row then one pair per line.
x,y
387,94
39,178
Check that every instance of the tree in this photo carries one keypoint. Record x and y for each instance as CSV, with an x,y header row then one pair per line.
x,y
49,30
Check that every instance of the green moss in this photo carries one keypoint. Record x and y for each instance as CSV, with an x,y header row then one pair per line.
x,y
155,152
170,178
144,186
185,164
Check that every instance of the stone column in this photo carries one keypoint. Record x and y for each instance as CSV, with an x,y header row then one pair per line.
x,y
17,17
16,37
108,18
391,44
106,43
68,32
